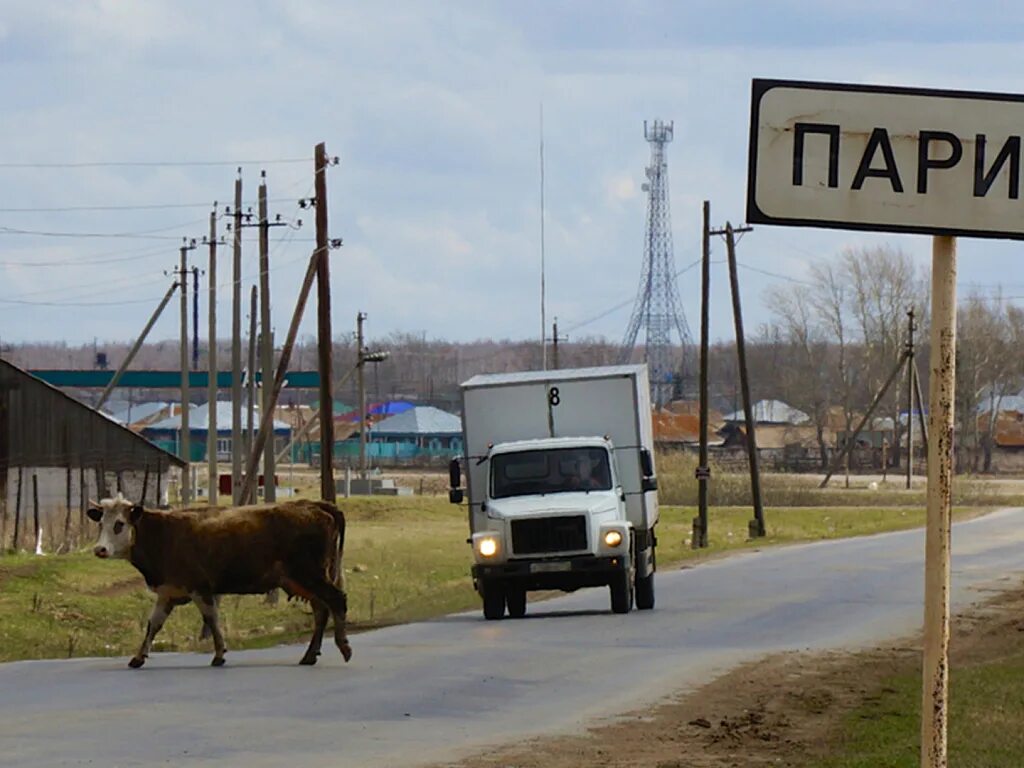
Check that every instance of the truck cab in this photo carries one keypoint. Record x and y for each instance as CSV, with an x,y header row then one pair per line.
x,y
557,511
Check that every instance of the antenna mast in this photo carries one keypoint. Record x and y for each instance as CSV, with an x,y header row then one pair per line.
x,y
657,308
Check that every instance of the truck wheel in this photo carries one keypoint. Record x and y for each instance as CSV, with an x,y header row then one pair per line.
x,y
494,601
645,587
516,600
645,592
622,592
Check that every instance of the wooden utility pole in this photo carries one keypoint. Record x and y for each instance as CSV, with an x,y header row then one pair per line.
x,y
35,514
236,348
266,423
699,537
186,446
756,526
361,385
211,391
911,369
195,318
17,511
308,427
67,506
135,347
921,421
851,439
250,384
555,338
942,386
324,338
267,339
554,344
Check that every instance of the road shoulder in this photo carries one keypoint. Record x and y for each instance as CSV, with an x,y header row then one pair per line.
x,y
792,709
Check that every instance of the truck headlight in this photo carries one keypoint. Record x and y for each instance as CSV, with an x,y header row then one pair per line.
x,y
612,538
487,547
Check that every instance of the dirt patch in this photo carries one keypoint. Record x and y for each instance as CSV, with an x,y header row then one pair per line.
x,y
121,587
784,710
16,571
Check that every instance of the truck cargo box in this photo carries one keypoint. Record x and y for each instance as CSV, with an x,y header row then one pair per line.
x,y
610,401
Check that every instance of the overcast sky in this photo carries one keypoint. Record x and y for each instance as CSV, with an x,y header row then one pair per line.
x,y
433,110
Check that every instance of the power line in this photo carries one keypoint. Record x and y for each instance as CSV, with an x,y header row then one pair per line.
x,y
155,163
109,258
619,306
150,234
140,207
135,280
768,273
65,303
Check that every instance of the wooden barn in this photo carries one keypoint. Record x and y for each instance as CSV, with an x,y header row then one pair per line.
x,y
56,453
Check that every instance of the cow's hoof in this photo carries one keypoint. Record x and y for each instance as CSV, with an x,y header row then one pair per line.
x,y
137,661
346,651
218,661
309,659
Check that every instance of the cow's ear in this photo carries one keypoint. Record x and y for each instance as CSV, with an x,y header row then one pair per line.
x,y
135,514
95,514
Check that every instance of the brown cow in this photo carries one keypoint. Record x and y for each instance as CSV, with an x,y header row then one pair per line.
x,y
186,557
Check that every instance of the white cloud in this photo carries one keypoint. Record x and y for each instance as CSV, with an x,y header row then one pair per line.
x,y
620,188
434,111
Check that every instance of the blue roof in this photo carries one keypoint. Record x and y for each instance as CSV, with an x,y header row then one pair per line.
x,y
421,420
390,408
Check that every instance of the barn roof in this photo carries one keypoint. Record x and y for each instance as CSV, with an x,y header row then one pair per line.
x,y
41,426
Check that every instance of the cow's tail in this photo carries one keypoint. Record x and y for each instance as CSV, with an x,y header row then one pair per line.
x,y
335,569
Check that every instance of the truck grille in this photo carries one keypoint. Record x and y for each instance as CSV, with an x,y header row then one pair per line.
x,y
549,534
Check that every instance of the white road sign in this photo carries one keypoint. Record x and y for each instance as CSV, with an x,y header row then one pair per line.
x,y
885,158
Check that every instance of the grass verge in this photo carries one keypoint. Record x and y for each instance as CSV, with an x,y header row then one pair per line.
x,y
405,560
986,703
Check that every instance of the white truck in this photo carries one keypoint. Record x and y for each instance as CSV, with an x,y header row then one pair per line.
x,y
561,485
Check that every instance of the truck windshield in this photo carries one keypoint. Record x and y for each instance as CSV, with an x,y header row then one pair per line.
x,y
552,471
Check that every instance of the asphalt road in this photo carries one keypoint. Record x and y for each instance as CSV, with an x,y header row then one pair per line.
x,y
446,688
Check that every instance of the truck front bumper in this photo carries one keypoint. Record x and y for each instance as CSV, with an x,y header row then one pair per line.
x,y
565,573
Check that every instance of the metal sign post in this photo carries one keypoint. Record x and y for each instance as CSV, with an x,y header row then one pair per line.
x,y
935,673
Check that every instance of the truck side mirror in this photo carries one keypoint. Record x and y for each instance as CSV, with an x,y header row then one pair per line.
x,y
646,463
455,494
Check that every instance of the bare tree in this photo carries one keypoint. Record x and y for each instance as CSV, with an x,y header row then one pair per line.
x,y
803,374
987,371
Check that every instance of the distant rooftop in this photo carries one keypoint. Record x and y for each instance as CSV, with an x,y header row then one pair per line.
x,y
199,419
421,420
771,412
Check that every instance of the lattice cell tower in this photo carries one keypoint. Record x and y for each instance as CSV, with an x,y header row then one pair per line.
x,y
658,309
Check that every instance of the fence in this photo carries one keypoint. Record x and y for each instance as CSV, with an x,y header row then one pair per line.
x,y
44,508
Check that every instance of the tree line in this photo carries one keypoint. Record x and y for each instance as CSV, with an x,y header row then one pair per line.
x,y
833,338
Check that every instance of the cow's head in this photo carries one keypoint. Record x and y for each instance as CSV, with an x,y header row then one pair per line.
x,y
116,517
